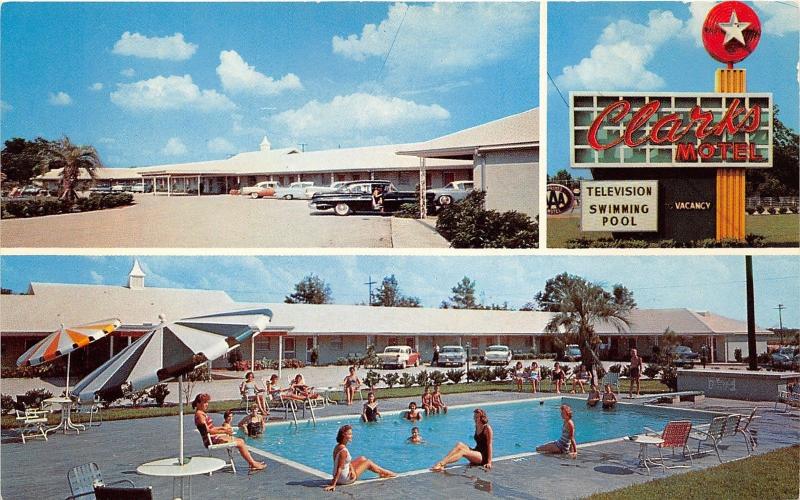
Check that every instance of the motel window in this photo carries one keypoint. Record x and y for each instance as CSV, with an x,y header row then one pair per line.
x,y
289,348
291,179
448,177
410,343
263,343
428,179
475,342
339,177
337,342
528,341
356,177
392,341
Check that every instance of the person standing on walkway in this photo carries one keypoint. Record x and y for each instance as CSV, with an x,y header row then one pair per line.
x,y
435,358
635,372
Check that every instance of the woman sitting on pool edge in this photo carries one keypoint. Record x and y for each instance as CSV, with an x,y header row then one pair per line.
x,y
427,401
481,454
413,413
438,404
347,470
217,435
566,443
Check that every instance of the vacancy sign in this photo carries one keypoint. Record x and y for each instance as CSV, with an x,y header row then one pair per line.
x,y
619,206
636,129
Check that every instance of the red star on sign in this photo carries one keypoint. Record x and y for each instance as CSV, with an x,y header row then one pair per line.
x,y
731,32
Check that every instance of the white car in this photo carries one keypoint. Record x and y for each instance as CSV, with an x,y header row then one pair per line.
x,y
400,356
497,354
452,355
311,191
260,190
295,191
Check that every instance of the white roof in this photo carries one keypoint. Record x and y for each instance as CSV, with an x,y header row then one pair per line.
x,y
104,173
520,131
47,305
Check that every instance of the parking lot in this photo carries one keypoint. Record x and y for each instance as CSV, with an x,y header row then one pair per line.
x,y
215,222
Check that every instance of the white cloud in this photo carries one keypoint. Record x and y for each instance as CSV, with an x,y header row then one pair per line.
x,y
129,72
694,26
172,48
238,76
619,59
220,145
358,112
442,38
168,92
96,86
174,147
779,18
5,107
59,99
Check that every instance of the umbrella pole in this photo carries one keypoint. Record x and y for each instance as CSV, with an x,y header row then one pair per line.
x,y
180,412
69,357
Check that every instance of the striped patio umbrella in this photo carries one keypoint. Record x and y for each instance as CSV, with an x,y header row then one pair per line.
x,y
170,351
64,341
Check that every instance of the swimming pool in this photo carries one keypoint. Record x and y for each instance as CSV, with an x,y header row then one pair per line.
x,y
518,428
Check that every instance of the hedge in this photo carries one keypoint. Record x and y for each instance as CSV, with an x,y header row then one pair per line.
x,y
38,207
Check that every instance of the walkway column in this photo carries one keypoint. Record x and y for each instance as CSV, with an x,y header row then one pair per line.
x,y
423,202
253,351
280,357
111,346
198,185
169,186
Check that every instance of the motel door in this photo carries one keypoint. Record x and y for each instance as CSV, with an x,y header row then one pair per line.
x,y
448,177
309,348
289,348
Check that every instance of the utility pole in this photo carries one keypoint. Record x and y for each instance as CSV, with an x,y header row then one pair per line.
x,y
780,309
751,315
370,283
302,146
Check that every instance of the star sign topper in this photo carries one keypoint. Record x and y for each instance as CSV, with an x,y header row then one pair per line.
x,y
731,32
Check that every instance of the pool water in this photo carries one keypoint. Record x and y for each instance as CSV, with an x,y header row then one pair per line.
x,y
518,428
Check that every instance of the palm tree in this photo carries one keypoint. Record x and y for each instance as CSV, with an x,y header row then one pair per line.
x,y
71,158
580,306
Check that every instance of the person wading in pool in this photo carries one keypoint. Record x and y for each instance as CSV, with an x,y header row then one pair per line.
x,y
635,372
346,470
566,443
481,454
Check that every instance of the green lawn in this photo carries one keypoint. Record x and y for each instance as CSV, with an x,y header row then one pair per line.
x,y
778,230
125,413
770,476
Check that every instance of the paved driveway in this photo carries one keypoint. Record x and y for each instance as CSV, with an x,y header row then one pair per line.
x,y
212,222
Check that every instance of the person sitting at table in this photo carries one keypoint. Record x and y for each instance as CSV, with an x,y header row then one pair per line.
x,y
249,389
438,404
351,385
253,424
581,377
594,396
370,413
413,413
427,401
609,398
217,435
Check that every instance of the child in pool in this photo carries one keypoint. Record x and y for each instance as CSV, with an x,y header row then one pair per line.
x,y
415,437
413,413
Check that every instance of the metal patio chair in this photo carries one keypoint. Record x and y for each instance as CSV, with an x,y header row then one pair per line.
x,y
83,479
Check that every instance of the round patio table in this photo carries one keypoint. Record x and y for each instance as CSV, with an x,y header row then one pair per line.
x,y
66,421
192,466
645,440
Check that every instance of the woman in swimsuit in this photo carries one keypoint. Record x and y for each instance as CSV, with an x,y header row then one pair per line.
x,y
276,393
413,413
346,470
351,385
427,401
370,411
217,435
594,396
438,404
609,398
481,454
566,443
250,390
299,388
581,378
253,424
535,375
558,376
519,375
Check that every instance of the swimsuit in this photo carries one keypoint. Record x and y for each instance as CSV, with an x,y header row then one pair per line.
x,y
558,375
482,446
205,430
563,441
250,389
351,382
370,413
416,416
344,475
535,375
254,428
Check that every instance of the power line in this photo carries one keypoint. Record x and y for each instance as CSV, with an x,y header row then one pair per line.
x,y
557,89
396,33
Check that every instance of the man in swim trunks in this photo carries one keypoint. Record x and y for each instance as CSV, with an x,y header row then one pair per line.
x,y
635,372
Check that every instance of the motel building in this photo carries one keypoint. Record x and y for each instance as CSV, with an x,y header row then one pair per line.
x,y
337,331
502,157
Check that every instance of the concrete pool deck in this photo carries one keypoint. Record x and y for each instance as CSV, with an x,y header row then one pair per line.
x,y
39,469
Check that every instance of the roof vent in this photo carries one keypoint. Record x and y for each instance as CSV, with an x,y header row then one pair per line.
x,y
702,313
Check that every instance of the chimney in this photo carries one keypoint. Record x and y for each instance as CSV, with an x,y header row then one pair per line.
x,y
265,145
136,276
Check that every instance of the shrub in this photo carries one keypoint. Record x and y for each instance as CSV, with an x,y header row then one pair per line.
x,y
784,210
466,224
36,396
371,359
750,211
235,357
455,376
751,240
737,355
372,379
669,377
159,393
408,211
407,379
137,397
7,404
546,371
615,368
499,373
651,370
759,208
437,377
422,378
35,207
772,210
391,379
474,375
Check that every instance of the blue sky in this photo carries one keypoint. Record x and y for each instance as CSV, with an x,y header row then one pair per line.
x,y
152,83
663,51
714,283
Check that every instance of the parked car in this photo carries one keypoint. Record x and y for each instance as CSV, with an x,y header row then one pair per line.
x,y
783,357
100,190
444,196
261,190
120,188
400,356
335,186
572,352
294,191
452,355
684,356
356,196
499,354
33,190
141,188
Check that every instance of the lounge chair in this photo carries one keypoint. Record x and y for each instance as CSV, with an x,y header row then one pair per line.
x,y
83,478
712,435
210,446
675,435
32,423
788,398
92,410
282,404
117,493
748,431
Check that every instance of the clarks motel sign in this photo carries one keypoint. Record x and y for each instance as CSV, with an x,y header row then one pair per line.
x,y
695,146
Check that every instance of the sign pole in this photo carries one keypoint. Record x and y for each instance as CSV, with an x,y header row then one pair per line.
x,y
730,181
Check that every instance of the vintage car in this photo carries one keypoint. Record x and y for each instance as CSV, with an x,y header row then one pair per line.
x,y
260,190
294,191
33,190
452,355
356,196
335,186
141,188
455,191
783,357
497,354
572,352
684,356
400,356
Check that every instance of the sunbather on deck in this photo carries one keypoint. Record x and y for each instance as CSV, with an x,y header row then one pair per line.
x,y
217,435
250,390
300,388
346,470
519,375
566,443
